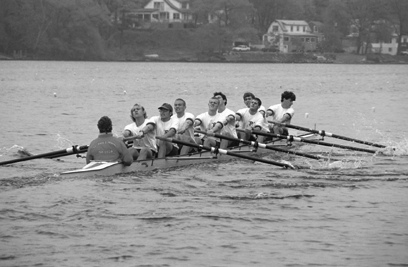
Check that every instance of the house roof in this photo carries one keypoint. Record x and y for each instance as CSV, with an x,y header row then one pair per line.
x,y
174,7
293,22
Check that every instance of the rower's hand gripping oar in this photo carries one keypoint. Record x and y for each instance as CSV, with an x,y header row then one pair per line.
x,y
59,153
324,133
217,150
291,138
257,144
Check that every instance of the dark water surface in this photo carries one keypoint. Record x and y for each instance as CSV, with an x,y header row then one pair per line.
x,y
240,213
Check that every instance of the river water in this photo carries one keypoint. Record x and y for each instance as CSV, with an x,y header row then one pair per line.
x,y
237,213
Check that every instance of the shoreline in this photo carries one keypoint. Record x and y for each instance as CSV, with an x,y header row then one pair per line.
x,y
249,57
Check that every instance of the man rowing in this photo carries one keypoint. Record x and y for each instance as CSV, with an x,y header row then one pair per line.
x,y
166,127
225,121
185,131
282,113
107,147
206,122
143,131
250,119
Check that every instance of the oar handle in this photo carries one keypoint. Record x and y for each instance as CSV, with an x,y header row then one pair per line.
x,y
325,133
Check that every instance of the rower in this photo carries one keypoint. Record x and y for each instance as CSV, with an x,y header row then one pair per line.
x,y
206,122
107,147
225,121
142,130
166,127
250,119
185,131
282,113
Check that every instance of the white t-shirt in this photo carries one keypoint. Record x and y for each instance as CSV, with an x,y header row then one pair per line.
x,y
148,140
187,116
207,123
162,127
249,121
228,129
279,112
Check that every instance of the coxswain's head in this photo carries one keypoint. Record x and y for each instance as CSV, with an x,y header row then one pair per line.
x,y
105,125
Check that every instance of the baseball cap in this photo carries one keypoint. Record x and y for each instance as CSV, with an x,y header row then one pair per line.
x,y
166,106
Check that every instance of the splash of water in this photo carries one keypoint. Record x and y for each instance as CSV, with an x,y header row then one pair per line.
x,y
62,142
11,150
394,148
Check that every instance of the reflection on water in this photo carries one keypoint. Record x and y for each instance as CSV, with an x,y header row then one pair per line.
x,y
351,211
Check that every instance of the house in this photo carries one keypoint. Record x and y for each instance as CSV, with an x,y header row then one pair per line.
x,y
292,36
162,11
390,47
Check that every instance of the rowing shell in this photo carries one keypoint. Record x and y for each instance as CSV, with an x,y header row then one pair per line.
x,y
112,168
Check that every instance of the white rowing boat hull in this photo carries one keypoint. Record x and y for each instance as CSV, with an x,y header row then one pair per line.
x,y
113,168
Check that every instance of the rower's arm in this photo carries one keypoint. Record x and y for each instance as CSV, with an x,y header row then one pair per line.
x,y
257,128
285,118
187,124
127,133
197,122
269,112
238,116
217,127
170,133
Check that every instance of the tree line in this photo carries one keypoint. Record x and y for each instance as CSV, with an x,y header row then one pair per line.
x,y
99,29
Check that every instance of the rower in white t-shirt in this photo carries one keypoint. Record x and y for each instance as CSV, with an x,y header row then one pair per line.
x,y
185,130
143,132
226,121
250,119
206,122
166,127
282,113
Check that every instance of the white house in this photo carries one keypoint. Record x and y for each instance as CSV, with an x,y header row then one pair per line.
x,y
163,11
390,47
291,36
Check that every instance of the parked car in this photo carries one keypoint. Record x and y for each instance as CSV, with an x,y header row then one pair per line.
x,y
404,53
241,48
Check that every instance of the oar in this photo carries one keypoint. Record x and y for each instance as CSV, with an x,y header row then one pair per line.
x,y
226,152
256,144
324,133
291,138
59,153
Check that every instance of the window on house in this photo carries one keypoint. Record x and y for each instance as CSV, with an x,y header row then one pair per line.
x,y
314,28
304,28
307,40
291,28
176,16
155,16
156,4
390,49
275,28
286,39
297,28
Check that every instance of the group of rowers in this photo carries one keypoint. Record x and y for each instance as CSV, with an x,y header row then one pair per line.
x,y
182,125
